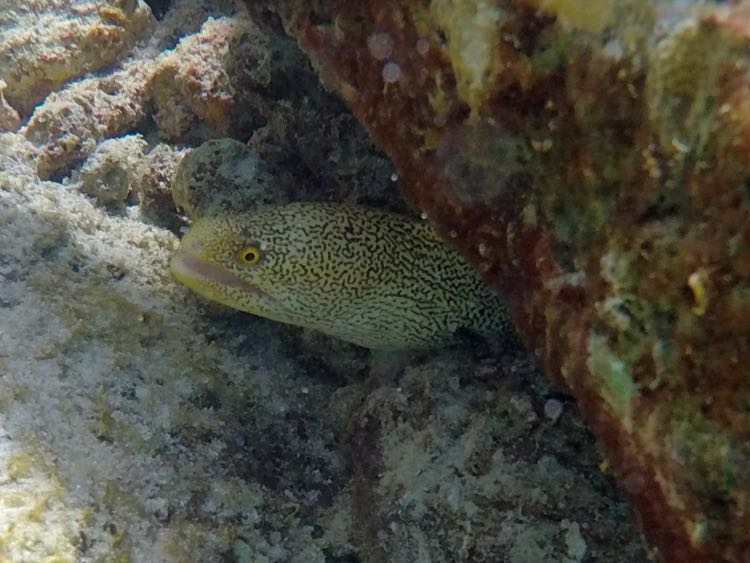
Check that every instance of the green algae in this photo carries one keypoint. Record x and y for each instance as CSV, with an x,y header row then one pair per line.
x,y
591,17
614,374
708,450
19,465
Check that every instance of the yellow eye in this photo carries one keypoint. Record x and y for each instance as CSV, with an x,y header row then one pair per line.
x,y
249,255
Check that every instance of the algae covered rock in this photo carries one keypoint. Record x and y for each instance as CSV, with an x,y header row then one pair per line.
x,y
224,175
70,123
454,465
190,88
154,186
44,43
187,91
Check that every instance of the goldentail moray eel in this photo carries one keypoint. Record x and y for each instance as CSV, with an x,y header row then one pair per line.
x,y
374,278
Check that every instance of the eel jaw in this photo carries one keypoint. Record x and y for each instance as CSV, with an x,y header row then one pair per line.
x,y
195,272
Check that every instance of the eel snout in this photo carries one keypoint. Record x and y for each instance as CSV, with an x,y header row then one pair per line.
x,y
186,266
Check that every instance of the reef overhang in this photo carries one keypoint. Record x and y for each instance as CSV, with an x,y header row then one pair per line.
x,y
592,161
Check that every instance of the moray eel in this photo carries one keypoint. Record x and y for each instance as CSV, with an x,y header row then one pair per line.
x,y
374,278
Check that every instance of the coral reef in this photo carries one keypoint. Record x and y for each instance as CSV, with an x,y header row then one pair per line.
x,y
190,88
224,175
44,43
462,464
139,423
110,172
592,162
226,78
67,127
154,186
9,118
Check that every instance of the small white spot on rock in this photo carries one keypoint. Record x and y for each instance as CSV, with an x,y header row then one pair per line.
x,y
423,46
553,409
391,72
576,545
394,177
380,45
483,250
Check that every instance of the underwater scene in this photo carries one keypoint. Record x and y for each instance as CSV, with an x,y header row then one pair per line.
x,y
410,281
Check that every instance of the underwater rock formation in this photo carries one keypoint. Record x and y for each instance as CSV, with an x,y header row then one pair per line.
x,y
138,423
178,97
44,43
111,171
592,161
9,118
224,175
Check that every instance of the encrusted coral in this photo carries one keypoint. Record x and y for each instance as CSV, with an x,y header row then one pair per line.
x,y
67,127
224,175
190,85
9,118
44,43
110,173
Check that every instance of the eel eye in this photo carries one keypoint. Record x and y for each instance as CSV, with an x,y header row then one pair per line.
x,y
249,255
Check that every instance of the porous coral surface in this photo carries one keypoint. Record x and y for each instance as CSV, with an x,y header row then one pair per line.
x,y
44,43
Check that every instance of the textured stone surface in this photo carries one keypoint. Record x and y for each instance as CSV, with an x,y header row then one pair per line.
x,y
110,173
209,72
224,175
459,463
9,118
44,43
592,162
190,87
154,186
67,127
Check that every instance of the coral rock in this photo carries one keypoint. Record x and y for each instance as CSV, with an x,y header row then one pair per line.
x,y
223,175
109,174
44,43
191,86
67,127
154,185
9,118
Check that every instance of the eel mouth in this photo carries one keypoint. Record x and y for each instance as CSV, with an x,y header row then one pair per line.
x,y
187,267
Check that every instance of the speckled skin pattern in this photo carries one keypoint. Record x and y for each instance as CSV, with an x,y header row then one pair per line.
x,y
366,276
